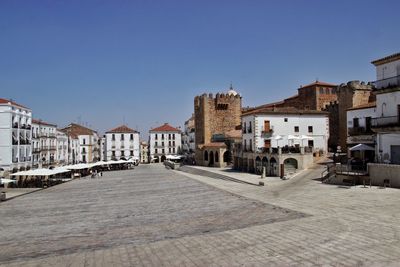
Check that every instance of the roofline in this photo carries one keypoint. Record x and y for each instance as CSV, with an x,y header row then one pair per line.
x,y
278,112
386,59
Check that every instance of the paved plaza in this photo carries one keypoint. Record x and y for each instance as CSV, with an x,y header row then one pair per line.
x,y
152,216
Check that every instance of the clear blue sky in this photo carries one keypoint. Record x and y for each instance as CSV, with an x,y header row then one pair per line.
x,y
101,62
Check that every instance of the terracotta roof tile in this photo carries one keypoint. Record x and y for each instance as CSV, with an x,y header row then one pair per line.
x,y
122,129
368,105
165,128
318,83
6,101
78,129
40,122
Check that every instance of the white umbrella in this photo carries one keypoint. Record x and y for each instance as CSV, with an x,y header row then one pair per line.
x,y
293,137
277,138
362,147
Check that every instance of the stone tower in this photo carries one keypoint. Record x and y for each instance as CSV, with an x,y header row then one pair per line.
x,y
352,94
216,115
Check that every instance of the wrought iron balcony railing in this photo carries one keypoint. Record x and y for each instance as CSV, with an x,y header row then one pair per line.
x,y
391,82
359,131
391,121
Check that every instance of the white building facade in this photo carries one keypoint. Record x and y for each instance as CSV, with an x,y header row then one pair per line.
x,y
144,152
62,148
385,122
188,137
122,143
273,129
15,136
45,143
164,140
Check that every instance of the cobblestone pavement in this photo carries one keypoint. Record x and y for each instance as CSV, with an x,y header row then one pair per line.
x,y
155,217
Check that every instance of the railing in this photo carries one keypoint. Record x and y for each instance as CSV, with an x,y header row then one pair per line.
x,y
15,160
267,133
385,121
359,131
391,82
52,147
36,150
15,125
292,149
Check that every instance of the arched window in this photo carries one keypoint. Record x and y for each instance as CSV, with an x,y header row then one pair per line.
x,y
206,155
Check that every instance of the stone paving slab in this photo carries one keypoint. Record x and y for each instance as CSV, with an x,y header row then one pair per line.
x,y
126,208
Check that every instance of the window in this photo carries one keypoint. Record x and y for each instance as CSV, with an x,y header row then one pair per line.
x,y
163,151
162,136
169,143
296,129
162,143
173,143
310,129
285,119
122,137
156,144
368,123
173,136
122,153
156,136
169,150
169,136
84,141
156,151
131,136
311,143
244,127
267,143
131,152
250,129
356,123
245,145
251,145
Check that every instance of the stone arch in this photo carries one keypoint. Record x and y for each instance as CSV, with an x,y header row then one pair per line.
x,y
216,156
258,165
211,157
163,158
291,163
273,167
206,155
227,156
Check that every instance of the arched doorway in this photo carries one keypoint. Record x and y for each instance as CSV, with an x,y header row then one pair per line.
x,y
258,165
211,162
290,165
273,167
227,156
163,158
265,165
206,155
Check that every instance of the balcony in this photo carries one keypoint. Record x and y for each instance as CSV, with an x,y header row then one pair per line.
x,y
15,125
387,83
359,131
267,133
52,148
385,122
36,150
15,160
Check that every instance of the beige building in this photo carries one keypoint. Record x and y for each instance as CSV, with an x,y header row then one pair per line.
x,y
144,152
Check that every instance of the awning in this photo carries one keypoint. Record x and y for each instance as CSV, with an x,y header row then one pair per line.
x,y
362,147
306,137
41,172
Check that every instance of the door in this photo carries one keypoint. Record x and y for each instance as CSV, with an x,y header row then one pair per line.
x,y
266,126
395,154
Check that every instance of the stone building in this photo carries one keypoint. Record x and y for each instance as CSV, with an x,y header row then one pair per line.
x,y
214,117
352,94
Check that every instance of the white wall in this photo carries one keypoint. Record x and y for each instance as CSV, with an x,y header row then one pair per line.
x,y
361,114
384,143
320,134
386,104
388,70
168,137
127,145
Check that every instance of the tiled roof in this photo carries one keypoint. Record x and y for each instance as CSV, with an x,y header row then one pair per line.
x,y
77,129
368,105
316,83
40,122
234,134
387,59
165,128
122,129
6,101
285,110
213,144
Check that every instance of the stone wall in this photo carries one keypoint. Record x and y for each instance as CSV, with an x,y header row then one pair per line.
x,y
215,115
379,172
352,94
333,109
